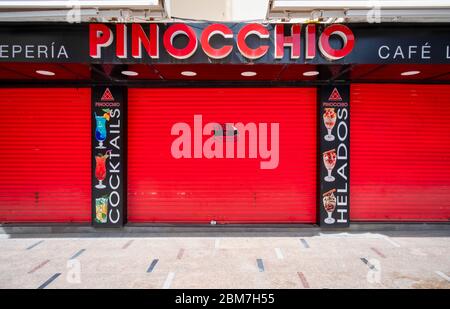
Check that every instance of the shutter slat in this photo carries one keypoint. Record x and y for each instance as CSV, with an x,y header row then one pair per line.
x,y
400,145
45,155
164,189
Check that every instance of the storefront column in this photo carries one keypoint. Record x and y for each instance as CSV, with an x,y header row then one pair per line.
x,y
334,155
108,152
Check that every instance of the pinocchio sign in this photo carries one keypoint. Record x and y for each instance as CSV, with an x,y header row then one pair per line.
x,y
224,43
145,40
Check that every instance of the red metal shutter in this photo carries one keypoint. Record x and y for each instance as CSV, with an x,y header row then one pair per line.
x,y
45,157
400,147
164,189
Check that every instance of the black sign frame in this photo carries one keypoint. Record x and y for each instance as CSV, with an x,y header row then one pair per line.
x,y
383,43
334,155
108,152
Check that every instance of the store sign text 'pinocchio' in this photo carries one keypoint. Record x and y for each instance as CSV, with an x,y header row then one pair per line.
x,y
146,38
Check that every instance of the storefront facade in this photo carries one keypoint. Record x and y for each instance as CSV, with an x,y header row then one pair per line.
x,y
219,123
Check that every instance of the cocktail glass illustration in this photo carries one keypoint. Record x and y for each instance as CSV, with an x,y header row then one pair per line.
x,y
329,203
329,119
100,130
101,209
100,169
329,159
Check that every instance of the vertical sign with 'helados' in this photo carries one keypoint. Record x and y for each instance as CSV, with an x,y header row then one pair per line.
x,y
108,162
334,141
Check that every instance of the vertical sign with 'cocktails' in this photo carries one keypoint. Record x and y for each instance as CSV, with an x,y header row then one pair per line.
x,y
108,156
334,142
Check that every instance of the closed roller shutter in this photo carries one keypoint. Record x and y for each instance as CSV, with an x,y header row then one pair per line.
x,y
164,189
400,153
45,155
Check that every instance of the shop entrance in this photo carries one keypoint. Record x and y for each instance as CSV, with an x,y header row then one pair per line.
x,y
44,162
399,145
181,168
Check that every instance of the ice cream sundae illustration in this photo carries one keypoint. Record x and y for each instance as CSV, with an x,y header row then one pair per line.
x,y
329,203
329,159
329,119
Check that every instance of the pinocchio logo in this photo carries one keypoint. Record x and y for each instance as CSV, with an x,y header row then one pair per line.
x,y
335,95
107,95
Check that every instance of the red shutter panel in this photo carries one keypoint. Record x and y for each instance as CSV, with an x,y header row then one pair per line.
x,y
165,189
400,145
45,156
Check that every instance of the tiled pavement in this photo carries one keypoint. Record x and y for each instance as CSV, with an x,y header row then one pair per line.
x,y
332,260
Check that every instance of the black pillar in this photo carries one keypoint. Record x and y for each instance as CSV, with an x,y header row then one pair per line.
x,y
334,155
108,154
